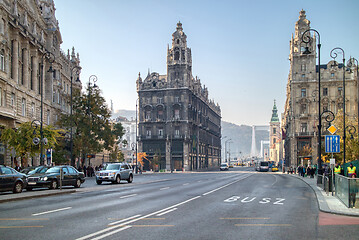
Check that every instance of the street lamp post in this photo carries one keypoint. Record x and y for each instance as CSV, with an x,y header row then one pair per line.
x,y
334,54
71,126
51,58
350,63
225,149
136,134
306,38
92,78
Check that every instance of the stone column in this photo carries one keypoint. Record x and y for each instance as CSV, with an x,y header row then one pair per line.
x,y
26,68
15,60
35,70
168,155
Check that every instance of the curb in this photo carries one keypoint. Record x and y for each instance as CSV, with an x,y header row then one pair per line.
x,y
321,201
17,198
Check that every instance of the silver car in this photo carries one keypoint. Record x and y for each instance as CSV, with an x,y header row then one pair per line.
x,y
115,172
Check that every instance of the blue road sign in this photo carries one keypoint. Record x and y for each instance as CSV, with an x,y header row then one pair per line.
x,y
332,144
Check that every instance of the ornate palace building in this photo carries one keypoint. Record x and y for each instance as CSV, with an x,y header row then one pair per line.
x,y
31,60
177,122
300,118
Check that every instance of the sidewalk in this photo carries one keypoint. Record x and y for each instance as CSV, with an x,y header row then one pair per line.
x,y
327,202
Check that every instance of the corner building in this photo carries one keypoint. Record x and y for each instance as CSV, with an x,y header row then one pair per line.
x,y
300,118
177,122
30,60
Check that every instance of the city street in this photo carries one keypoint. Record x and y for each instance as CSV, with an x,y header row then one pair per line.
x,y
235,204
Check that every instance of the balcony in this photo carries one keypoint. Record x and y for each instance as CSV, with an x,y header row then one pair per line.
x,y
304,134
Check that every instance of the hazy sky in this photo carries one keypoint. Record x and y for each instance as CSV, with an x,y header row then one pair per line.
x,y
239,48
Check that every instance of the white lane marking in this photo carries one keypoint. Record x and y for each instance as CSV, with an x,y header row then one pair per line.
x,y
113,232
127,196
52,211
185,184
275,180
164,188
124,220
214,190
123,225
199,181
163,213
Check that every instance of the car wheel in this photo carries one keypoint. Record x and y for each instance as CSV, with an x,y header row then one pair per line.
x,y
78,183
53,184
17,187
130,179
98,182
118,179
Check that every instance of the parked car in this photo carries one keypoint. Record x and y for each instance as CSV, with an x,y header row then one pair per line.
x,y
115,172
51,178
11,180
224,166
37,170
27,170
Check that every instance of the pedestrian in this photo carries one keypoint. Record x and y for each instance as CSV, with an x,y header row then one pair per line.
x,y
85,170
303,171
353,186
351,170
337,169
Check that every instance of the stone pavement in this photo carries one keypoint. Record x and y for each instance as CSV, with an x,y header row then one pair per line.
x,y
327,202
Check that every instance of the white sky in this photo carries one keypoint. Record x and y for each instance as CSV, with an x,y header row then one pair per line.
x,y
239,48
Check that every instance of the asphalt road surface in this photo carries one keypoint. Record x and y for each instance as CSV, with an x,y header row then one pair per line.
x,y
235,204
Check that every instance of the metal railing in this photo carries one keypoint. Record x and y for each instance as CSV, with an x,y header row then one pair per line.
x,y
347,190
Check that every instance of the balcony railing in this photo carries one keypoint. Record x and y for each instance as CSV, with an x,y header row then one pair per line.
x,y
302,134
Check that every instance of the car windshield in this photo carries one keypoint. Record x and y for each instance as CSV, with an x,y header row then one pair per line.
x,y
35,170
53,170
112,167
264,163
224,164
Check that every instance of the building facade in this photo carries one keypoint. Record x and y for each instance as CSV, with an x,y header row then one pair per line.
x,y
300,118
128,149
30,60
177,122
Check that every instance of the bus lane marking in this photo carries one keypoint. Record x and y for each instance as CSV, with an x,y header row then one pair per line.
x,y
274,201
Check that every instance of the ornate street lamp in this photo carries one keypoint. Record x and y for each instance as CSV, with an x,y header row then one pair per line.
x,y
350,64
51,58
77,72
92,78
137,105
334,54
352,130
306,38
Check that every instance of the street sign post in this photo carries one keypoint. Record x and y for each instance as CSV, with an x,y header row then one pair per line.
x,y
332,144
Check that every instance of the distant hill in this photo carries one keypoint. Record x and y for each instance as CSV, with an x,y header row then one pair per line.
x,y
241,135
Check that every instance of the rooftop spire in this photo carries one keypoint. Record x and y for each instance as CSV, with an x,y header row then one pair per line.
x,y
275,117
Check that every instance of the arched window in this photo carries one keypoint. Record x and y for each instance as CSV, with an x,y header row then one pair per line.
x,y
48,117
2,60
177,55
23,107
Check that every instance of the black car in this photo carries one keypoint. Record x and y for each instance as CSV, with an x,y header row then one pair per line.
x,y
51,178
39,170
11,180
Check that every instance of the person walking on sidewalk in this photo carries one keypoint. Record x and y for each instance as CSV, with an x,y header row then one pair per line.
x,y
351,170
